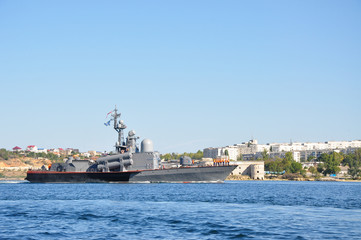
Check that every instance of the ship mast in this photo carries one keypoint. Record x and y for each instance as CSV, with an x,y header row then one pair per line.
x,y
119,127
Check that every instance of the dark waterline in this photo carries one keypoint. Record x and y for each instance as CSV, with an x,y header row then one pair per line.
x,y
233,210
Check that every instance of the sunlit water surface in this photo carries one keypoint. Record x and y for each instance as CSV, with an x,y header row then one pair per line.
x,y
232,210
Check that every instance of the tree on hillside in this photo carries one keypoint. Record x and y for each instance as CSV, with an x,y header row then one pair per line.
x,y
287,161
275,166
295,167
323,157
198,155
353,161
310,158
166,156
289,156
331,162
312,170
4,154
320,167
265,155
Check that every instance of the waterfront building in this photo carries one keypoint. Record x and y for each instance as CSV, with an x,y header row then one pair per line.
x,y
253,169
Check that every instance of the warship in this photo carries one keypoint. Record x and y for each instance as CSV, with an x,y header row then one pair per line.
x,y
130,164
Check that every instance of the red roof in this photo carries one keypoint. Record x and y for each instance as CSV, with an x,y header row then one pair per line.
x,y
16,148
60,149
31,146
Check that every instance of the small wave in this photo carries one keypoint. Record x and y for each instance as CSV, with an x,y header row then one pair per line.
x,y
87,216
13,181
52,234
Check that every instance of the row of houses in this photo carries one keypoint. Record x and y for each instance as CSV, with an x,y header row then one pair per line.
x,y
251,150
56,151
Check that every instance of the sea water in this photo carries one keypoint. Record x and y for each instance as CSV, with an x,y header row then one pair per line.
x,y
230,210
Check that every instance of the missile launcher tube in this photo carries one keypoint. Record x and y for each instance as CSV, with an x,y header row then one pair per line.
x,y
114,161
113,158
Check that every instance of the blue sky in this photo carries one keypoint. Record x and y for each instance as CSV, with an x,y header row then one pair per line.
x,y
186,74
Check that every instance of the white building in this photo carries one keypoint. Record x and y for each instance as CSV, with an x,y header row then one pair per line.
x,y
254,169
233,152
296,156
300,150
355,144
32,148
42,150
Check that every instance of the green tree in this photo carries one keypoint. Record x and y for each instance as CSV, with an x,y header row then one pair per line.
x,y
289,156
198,155
303,173
166,156
287,161
323,157
354,171
265,155
332,163
275,166
353,161
4,154
320,167
312,170
310,158
295,167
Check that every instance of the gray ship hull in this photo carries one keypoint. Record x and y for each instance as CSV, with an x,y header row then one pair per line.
x,y
186,174
176,175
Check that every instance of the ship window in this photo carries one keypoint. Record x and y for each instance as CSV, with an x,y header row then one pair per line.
x,y
257,171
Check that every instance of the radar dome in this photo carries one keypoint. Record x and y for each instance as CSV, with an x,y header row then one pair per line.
x,y
147,146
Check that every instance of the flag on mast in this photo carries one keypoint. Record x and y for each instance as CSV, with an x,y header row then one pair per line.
x,y
107,123
108,114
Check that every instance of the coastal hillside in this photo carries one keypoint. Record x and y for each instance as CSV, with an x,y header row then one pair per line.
x,y
16,168
14,165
